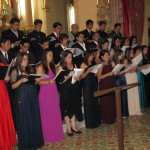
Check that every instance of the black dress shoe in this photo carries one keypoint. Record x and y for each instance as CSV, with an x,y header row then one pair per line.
x,y
70,134
77,132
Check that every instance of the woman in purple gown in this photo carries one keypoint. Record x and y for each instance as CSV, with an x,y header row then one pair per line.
x,y
49,100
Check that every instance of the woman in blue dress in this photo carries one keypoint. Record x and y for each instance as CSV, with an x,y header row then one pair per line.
x,y
29,129
137,50
121,80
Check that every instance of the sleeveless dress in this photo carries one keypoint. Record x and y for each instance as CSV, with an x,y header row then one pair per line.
x,y
133,95
107,102
141,87
7,130
147,83
50,111
29,128
121,80
91,103
70,99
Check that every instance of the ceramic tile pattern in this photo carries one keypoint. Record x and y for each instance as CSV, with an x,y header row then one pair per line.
x,y
136,136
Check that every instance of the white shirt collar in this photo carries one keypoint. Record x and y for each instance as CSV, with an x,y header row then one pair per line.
x,y
15,32
89,30
56,34
83,45
63,47
27,51
95,42
4,53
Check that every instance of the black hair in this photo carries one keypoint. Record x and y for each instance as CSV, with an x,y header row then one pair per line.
x,y
117,24
117,53
4,39
103,52
63,64
78,34
137,48
94,34
123,41
113,45
13,20
87,54
101,23
131,39
44,40
56,24
19,60
103,41
63,36
24,40
44,62
38,21
127,55
143,47
89,22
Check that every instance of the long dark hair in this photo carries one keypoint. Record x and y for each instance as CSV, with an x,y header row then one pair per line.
x,y
123,41
113,45
63,63
131,39
102,53
127,55
19,60
87,54
144,56
44,62
102,42
117,53
137,48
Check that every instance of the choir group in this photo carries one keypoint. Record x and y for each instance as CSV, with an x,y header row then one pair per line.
x,y
35,110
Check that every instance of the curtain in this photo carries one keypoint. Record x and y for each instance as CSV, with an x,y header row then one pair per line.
x,y
137,8
125,13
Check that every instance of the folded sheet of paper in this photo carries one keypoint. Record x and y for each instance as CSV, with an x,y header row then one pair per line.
x,y
44,76
134,45
146,71
117,68
78,72
78,51
52,39
111,54
137,59
109,46
95,68
129,68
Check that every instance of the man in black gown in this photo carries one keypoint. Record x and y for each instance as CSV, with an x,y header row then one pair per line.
x,y
101,31
88,31
36,37
54,38
116,31
14,34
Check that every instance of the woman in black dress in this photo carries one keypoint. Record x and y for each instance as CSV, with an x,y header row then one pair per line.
x,y
90,85
29,129
107,80
146,60
69,95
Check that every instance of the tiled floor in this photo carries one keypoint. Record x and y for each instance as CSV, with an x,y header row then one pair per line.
x,y
136,136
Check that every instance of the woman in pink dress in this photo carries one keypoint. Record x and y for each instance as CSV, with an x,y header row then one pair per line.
x,y
49,100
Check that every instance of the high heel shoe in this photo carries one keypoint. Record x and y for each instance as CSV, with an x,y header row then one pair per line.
x,y
77,132
70,134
